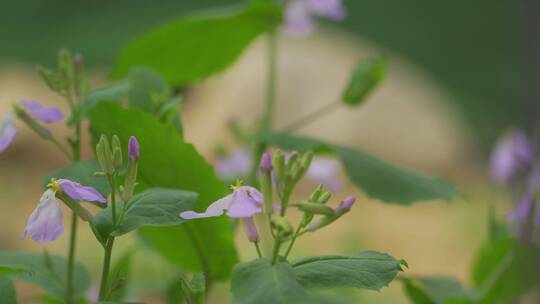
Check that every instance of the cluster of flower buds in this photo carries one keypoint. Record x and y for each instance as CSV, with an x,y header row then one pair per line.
x,y
109,156
288,172
69,78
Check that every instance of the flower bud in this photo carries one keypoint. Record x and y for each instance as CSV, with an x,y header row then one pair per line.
x,y
315,208
316,194
266,162
324,197
345,206
304,163
117,152
283,227
266,182
278,165
104,155
133,149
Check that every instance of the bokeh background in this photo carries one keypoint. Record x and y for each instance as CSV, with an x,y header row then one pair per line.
x,y
461,72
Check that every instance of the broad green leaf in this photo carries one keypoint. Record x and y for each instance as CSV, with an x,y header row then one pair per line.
x,y
365,77
119,277
47,272
505,269
435,290
167,161
379,179
155,207
190,49
116,92
83,173
7,291
148,90
10,270
259,281
367,270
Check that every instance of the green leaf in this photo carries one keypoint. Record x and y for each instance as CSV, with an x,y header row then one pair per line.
x,y
155,207
379,179
10,270
259,281
367,270
148,90
435,290
119,277
7,291
505,269
83,173
190,49
167,161
45,271
365,77
117,92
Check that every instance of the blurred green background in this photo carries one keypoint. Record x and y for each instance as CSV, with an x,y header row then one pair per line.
x,y
485,52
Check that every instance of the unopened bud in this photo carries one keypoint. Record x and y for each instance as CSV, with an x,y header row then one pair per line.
x,y
266,162
316,194
104,155
278,165
315,208
133,149
345,205
283,227
324,197
305,162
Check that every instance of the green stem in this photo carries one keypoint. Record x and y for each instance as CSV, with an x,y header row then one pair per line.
x,y
311,117
271,89
259,253
71,258
291,244
106,267
113,198
76,155
275,254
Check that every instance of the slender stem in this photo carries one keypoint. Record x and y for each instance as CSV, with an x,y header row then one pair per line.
x,y
275,254
113,198
291,244
71,258
311,117
106,266
62,148
271,88
76,155
259,253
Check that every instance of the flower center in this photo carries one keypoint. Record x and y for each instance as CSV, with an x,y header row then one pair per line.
x,y
53,184
237,184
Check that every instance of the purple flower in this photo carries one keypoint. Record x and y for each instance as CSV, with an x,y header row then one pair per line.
x,y
133,148
39,112
79,192
7,131
326,171
512,153
300,14
235,165
45,223
244,202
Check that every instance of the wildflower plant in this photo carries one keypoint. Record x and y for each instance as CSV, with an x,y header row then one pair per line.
x,y
144,176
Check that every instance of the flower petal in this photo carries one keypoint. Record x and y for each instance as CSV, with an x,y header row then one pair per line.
x,y
235,165
40,112
7,131
215,209
45,223
329,9
79,192
246,202
298,19
326,171
511,153
521,212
